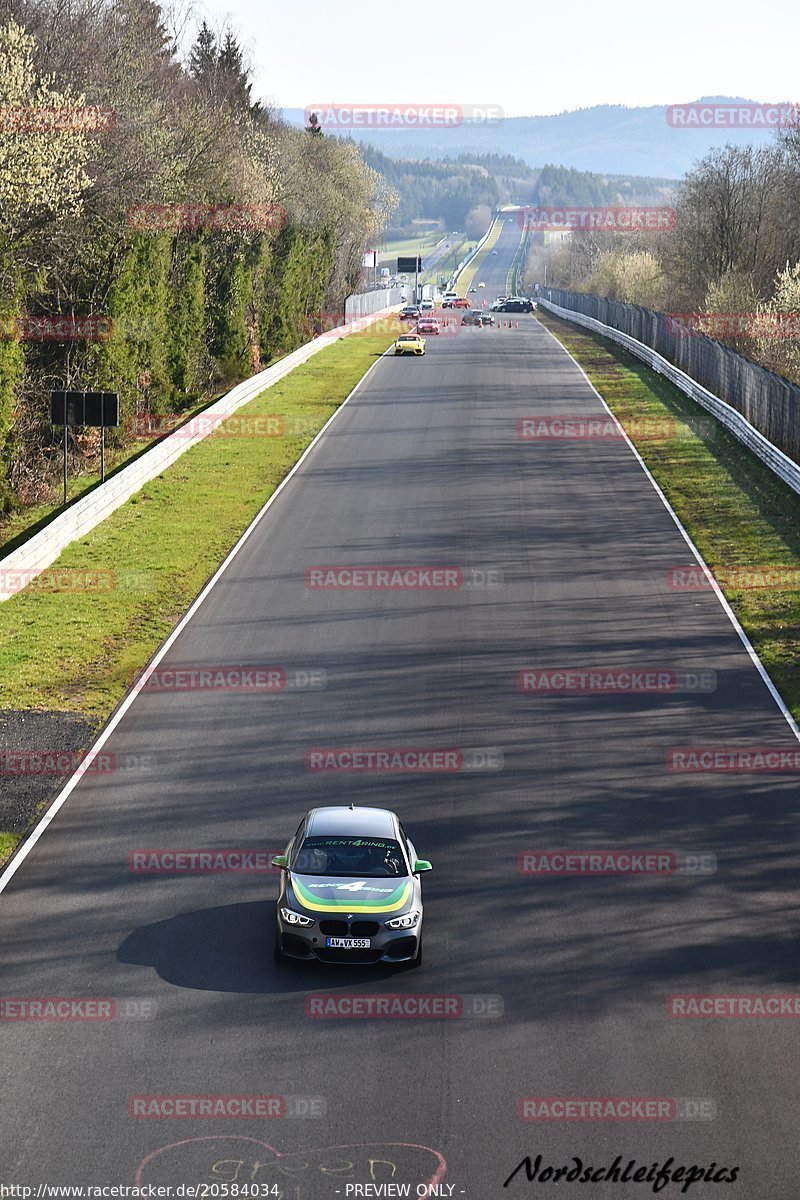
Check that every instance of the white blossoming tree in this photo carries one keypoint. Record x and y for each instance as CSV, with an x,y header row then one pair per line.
x,y
42,172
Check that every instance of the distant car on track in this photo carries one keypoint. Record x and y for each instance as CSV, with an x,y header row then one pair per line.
x,y
473,317
480,285
350,890
410,313
514,304
427,325
409,343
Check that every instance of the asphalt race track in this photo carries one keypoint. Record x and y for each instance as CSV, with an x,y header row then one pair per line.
x,y
561,550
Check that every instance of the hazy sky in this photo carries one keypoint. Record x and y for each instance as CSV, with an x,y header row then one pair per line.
x,y
529,58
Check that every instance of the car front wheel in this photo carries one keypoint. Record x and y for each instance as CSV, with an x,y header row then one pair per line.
x,y
277,953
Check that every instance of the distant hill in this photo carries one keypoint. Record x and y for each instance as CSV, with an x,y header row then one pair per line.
x,y
607,139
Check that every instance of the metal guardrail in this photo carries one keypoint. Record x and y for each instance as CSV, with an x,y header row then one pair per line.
x,y
778,462
43,548
768,401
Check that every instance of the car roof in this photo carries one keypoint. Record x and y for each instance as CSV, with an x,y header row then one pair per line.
x,y
340,820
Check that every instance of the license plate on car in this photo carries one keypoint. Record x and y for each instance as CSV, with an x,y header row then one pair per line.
x,y
342,943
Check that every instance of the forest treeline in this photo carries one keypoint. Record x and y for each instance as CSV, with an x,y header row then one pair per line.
x,y
455,191
734,250
197,228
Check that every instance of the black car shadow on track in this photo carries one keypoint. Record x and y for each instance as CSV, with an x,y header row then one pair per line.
x,y
229,949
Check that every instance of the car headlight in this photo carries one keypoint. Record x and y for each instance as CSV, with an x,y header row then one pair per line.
x,y
295,918
408,921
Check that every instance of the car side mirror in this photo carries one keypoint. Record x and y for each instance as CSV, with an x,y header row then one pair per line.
x,y
421,864
281,861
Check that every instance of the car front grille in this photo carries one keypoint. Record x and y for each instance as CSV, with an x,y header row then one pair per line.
x,y
363,928
349,929
333,928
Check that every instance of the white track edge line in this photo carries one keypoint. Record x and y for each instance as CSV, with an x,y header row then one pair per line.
x,y
734,620
22,852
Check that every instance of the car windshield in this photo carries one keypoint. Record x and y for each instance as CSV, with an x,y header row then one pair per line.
x,y
370,858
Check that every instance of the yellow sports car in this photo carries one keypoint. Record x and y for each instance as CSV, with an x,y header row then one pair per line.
x,y
409,343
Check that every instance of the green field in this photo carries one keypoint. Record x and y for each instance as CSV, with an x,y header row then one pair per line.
x,y
416,245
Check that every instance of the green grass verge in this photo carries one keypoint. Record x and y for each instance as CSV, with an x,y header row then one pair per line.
x,y
76,651
8,844
414,245
737,512
19,526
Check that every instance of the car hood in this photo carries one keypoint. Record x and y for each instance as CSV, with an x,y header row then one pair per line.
x,y
321,893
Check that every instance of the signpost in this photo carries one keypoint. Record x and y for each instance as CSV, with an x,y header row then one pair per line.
x,y
406,265
99,410
370,259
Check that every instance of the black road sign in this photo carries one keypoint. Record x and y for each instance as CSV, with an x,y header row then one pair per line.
x,y
407,265
98,409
